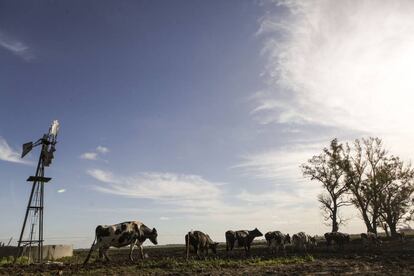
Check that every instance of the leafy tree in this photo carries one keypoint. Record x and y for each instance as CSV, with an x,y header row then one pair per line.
x,y
361,165
397,184
326,168
380,184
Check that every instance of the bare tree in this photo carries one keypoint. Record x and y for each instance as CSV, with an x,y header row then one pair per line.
x,y
326,168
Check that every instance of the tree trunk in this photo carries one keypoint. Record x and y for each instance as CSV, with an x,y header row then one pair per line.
x,y
393,229
335,226
375,217
366,219
386,230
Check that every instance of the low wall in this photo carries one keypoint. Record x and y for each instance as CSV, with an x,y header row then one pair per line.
x,y
50,252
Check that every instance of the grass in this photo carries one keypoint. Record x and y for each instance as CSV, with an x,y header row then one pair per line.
x,y
10,260
180,266
214,263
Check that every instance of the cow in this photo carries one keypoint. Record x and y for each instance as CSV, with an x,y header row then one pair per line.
x,y
300,241
312,243
340,239
242,237
200,242
276,240
119,235
369,239
304,242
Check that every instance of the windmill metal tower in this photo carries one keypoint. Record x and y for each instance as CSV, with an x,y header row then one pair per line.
x,y
32,244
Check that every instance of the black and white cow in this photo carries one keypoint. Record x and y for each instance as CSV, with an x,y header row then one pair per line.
x,y
242,238
200,242
303,242
340,239
276,240
132,233
369,239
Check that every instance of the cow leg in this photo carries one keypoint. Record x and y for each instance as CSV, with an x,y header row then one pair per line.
x,y
100,254
197,251
105,251
131,249
201,252
141,250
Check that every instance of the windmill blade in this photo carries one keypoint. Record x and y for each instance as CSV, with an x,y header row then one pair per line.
x,y
27,147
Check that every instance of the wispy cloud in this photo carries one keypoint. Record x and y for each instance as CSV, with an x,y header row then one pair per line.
x,y
345,64
16,47
281,165
160,186
94,155
9,154
102,176
89,156
102,149
199,200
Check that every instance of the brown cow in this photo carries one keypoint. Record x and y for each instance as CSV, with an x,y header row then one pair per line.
x,y
200,242
340,239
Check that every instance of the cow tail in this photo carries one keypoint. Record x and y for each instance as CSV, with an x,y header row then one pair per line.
x,y
90,251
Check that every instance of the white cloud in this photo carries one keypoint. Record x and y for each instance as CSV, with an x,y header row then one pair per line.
x,y
102,149
16,47
102,176
9,154
186,194
164,218
61,191
160,186
89,156
281,166
345,64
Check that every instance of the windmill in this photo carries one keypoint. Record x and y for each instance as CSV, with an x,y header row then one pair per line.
x,y
34,210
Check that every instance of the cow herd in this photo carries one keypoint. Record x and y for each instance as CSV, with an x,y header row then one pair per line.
x,y
135,233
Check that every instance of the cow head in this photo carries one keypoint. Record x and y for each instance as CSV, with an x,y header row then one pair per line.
x,y
153,236
256,233
213,247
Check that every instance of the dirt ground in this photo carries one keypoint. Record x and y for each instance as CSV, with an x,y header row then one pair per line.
x,y
393,258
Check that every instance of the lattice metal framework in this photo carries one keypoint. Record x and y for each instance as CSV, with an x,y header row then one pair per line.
x,y
32,244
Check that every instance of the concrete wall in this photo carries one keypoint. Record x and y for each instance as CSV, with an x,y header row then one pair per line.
x,y
50,252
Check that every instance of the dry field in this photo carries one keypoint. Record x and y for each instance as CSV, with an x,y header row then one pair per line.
x,y
393,258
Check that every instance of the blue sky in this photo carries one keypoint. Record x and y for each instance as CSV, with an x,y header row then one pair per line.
x,y
194,114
